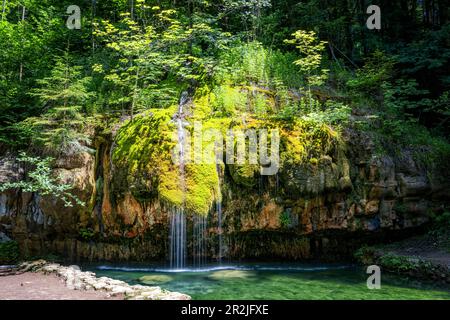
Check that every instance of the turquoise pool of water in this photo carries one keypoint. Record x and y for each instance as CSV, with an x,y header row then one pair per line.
x,y
254,281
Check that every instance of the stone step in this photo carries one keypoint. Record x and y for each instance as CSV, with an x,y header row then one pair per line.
x,y
8,270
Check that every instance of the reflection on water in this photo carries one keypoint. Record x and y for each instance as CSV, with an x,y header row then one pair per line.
x,y
248,267
272,281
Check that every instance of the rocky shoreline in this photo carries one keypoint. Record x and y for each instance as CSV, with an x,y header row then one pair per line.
x,y
76,279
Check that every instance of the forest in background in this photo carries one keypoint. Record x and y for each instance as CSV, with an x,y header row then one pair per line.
x,y
134,55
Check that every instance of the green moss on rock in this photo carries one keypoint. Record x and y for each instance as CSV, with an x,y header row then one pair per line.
x,y
244,175
142,152
143,149
202,183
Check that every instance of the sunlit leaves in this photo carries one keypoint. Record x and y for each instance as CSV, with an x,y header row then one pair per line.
x,y
41,180
310,48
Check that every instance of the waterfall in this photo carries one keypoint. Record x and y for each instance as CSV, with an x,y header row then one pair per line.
x,y
277,184
199,241
177,216
178,239
219,217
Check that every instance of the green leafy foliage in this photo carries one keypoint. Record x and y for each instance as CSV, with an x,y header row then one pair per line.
x,y
442,222
86,234
285,219
60,128
408,266
440,230
9,252
149,65
130,57
233,59
39,179
136,63
377,69
311,50
252,63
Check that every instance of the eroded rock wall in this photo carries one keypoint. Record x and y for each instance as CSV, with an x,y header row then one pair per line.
x,y
323,209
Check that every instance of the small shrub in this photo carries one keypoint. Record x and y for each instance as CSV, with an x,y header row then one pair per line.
x,y
378,68
41,180
442,223
365,255
440,230
396,263
86,234
285,219
9,252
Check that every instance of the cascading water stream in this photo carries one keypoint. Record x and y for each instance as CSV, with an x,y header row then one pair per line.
x,y
177,239
178,234
178,217
219,218
199,241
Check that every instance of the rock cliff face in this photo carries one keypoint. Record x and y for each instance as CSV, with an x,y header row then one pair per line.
x,y
320,209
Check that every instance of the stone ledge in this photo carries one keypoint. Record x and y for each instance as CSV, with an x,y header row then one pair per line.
x,y
76,279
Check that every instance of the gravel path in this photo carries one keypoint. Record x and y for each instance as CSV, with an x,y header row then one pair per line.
x,y
37,286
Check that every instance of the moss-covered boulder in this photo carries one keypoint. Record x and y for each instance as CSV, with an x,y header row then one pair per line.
x,y
143,151
231,274
155,279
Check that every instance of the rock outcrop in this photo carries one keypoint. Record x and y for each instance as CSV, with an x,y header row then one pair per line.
x,y
76,279
324,207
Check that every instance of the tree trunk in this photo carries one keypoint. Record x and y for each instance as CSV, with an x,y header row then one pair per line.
x,y
21,63
348,14
443,11
92,26
132,10
133,102
427,12
191,22
4,9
